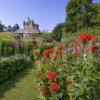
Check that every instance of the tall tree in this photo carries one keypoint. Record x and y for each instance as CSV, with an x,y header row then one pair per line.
x,y
15,27
79,14
96,18
1,27
9,28
57,31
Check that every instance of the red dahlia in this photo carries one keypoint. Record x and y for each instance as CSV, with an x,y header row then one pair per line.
x,y
51,75
54,86
84,36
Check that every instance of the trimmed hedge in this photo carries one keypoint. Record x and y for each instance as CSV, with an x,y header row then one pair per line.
x,y
10,66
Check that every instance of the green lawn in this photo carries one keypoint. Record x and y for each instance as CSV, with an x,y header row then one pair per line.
x,y
20,87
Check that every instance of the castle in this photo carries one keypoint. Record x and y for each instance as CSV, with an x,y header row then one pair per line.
x,y
29,28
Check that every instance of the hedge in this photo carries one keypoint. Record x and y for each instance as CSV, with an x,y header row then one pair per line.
x,y
10,66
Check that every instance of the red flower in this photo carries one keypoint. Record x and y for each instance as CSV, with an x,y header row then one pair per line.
x,y
53,57
76,52
87,36
84,36
93,37
91,48
54,86
40,77
78,43
43,89
51,75
59,52
47,51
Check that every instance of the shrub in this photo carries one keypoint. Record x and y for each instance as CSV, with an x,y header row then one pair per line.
x,y
64,72
9,66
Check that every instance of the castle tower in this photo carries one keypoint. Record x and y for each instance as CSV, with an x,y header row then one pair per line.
x,y
30,25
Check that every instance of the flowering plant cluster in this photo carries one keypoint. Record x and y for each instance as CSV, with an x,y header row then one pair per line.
x,y
69,73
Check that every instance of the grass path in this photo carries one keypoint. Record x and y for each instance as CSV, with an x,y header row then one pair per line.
x,y
20,87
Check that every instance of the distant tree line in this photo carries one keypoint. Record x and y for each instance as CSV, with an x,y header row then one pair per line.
x,y
79,14
9,28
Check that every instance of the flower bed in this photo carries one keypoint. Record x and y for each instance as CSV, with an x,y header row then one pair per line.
x,y
65,74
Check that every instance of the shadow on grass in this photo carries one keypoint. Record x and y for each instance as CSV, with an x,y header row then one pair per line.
x,y
10,83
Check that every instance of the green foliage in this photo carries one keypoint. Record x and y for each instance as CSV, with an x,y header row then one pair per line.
x,y
96,18
9,66
9,45
81,14
77,73
57,32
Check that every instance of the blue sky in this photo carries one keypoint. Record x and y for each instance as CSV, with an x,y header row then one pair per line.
x,y
47,13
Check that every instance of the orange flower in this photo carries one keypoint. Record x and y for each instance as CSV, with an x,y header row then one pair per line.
x,y
78,43
59,52
47,51
60,46
40,77
35,53
34,42
43,89
53,57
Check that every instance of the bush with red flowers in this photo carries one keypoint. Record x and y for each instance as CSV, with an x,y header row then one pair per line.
x,y
70,72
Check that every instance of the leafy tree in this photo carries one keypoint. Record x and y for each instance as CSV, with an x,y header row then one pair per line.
x,y
16,27
9,28
1,27
57,31
79,14
96,18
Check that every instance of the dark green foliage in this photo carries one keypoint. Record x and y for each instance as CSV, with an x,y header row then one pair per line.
x,y
10,66
57,32
96,18
80,14
9,29
15,27
1,27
